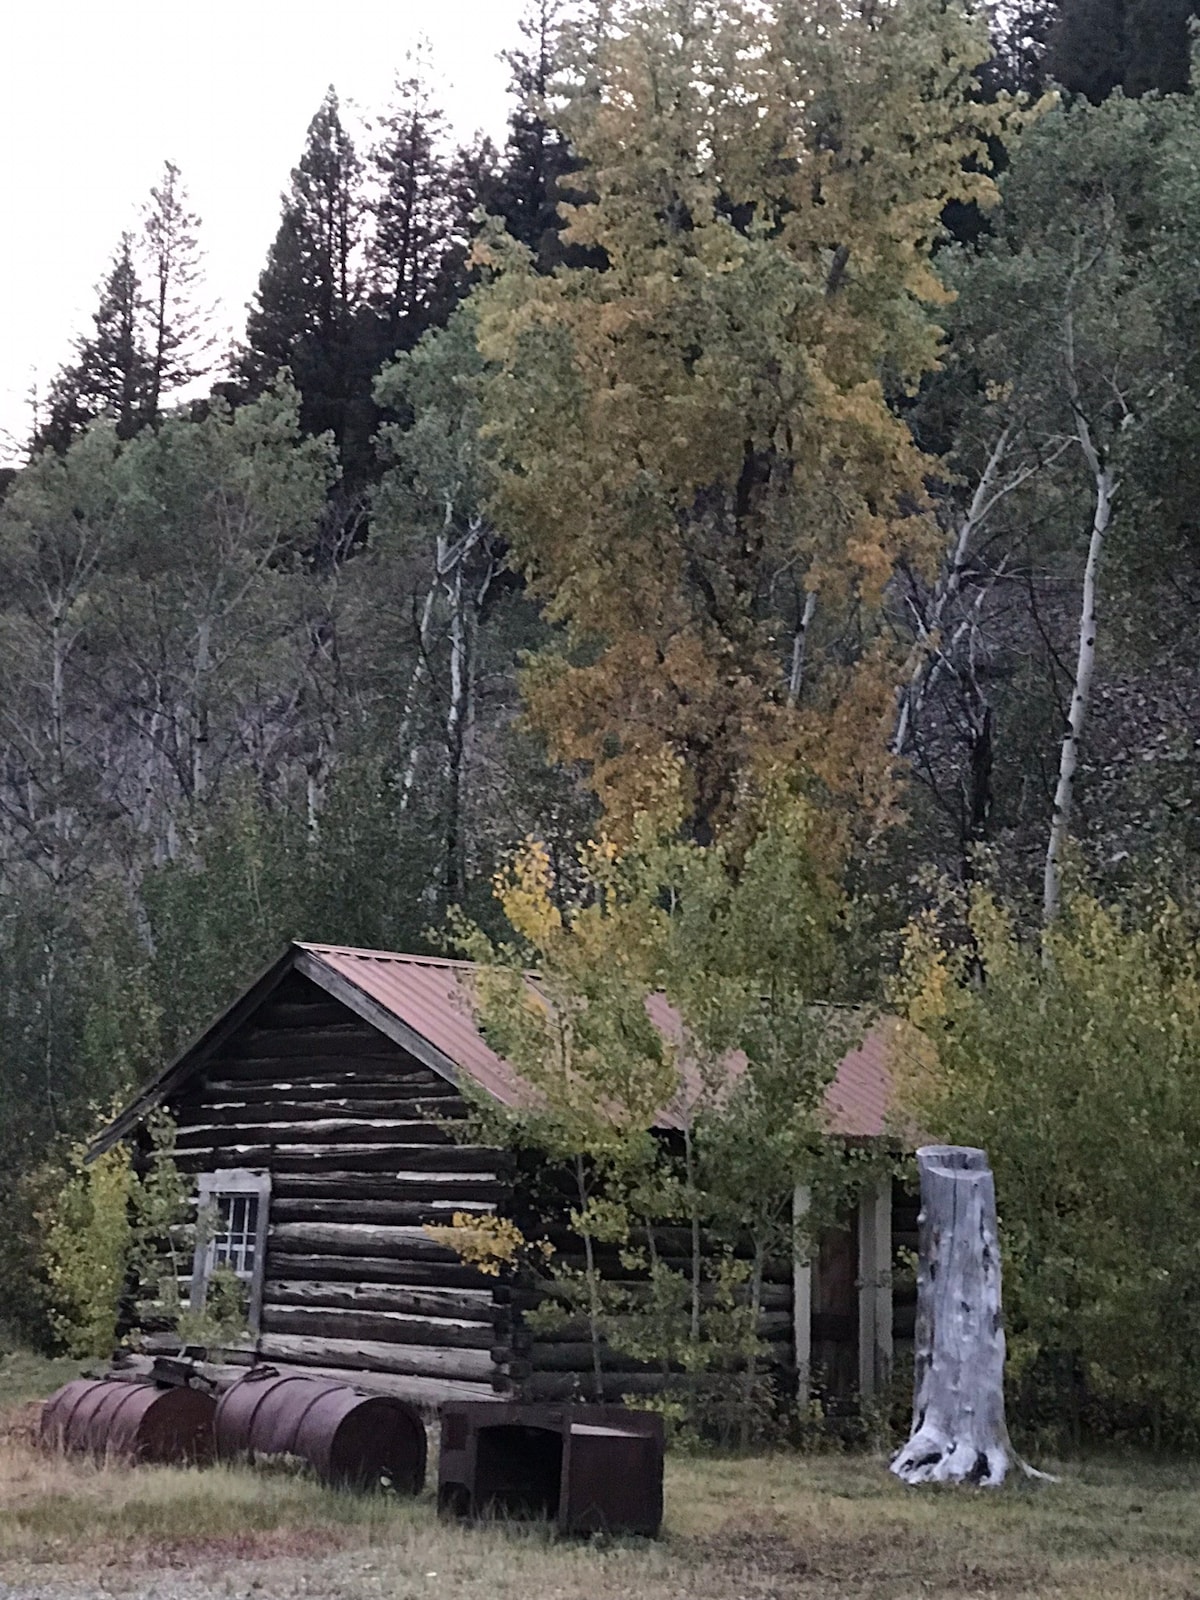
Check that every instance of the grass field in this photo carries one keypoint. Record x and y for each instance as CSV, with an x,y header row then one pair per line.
x,y
767,1528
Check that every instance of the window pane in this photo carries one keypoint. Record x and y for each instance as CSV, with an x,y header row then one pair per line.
x,y
236,1227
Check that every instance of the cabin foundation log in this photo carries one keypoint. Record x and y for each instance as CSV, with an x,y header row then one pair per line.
x,y
416,1361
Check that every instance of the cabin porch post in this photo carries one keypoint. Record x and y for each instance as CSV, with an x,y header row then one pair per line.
x,y
875,1288
802,1272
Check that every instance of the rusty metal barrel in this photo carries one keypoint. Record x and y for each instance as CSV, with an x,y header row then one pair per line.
x,y
131,1421
351,1439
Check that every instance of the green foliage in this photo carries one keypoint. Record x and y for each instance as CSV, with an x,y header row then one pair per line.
x,y
109,1233
87,1244
681,979
1074,1067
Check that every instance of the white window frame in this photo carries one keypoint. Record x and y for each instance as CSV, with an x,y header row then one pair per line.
x,y
211,1187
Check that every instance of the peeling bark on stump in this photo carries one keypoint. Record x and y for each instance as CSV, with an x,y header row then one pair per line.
x,y
959,1434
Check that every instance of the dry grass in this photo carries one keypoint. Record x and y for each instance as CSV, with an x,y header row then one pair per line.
x,y
773,1528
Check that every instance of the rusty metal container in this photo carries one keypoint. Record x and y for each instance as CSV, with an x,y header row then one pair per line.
x,y
588,1468
354,1440
130,1421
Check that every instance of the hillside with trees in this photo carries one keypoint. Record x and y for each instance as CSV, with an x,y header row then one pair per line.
x,y
799,410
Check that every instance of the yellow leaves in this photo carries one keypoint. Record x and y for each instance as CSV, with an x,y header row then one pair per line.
x,y
925,982
486,1241
690,439
524,889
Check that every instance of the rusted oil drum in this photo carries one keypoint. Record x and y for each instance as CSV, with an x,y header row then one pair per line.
x,y
354,1440
131,1421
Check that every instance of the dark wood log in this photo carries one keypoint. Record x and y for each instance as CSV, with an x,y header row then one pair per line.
x,y
439,1212
376,1068
391,1327
566,1357
326,1131
346,1088
350,1039
311,1014
429,1393
616,1385
611,1268
774,1327
341,1157
467,1191
904,1322
367,1270
774,1296
261,1113
352,1239
470,1304
418,1361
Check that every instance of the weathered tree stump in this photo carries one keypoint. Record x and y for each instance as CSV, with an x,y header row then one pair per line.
x,y
959,1434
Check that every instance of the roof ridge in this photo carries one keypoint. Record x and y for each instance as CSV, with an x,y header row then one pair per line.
x,y
399,956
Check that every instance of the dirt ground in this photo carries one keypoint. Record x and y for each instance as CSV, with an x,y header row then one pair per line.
x,y
823,1527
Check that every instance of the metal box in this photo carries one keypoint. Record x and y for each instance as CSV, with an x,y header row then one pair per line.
x,y
588,1468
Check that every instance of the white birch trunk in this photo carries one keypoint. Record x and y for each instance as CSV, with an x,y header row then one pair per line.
x,y
199,711
959,1434
800,648
1085,662
404,734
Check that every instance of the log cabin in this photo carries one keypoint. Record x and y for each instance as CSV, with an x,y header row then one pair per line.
x,y
315,1116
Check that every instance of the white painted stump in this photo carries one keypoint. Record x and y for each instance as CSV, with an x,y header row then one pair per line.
x,y
959,1434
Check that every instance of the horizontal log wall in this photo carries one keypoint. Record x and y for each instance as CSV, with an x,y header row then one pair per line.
x,y
358,1138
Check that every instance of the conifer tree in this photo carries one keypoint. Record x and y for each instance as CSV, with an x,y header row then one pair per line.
x,y
414,216
307,313
148,337
1137,46
110,375
537,156
175,338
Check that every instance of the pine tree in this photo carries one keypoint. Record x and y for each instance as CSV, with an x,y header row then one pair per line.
x,y
111,373
148,336
538,157
175,336
1137,46
307,314
413,215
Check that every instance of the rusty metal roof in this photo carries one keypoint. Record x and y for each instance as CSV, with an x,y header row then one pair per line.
x,y
424,1003
432,996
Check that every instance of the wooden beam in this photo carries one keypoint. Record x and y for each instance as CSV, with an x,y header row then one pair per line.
x,y
296,1158
413,1361
431,1393
385,1327
365,1270
802,1293
473,1304
875,1288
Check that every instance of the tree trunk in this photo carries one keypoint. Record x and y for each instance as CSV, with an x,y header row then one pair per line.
x,y
959,1434
1105,492
1064,794
595,1332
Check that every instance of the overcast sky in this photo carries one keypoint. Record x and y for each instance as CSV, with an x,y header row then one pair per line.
x,y
97,93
